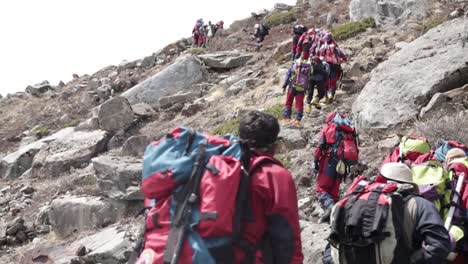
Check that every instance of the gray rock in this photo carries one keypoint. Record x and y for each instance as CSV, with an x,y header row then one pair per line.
x,y
3,229
143,110
135,145
304,203
70,149
243,84
16,163
94,83
401,44
70,214
117,140
192,109
388,11
89,124
167,101
313,237
187,71
280,7
148,62
104,92
225,60
115,114
39,88
387,144
117,175
292,138
402,85
437,100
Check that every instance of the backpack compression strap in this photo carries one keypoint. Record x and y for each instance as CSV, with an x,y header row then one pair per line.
x,y
369,213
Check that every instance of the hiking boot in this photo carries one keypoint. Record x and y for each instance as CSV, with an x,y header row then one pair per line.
x,y
324,100
297,123
316,104
326,215
308,108
285,121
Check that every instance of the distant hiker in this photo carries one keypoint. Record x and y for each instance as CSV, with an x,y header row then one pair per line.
x,y
298,80
261,31
203,36
333,56
196,33
385,221
337,150
220,25
298,30
456,163
305,43
321,71
220,200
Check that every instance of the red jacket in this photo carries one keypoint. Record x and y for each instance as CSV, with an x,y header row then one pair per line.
x,y
274,206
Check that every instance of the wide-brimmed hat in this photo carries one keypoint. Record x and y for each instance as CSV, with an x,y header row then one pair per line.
x,y
398,172
454,153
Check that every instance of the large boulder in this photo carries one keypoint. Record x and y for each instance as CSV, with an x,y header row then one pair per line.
x,y
384,11
39,88
115,114
15,164
402,85
70,214
73,149
135,145
225,60
119,177
179,76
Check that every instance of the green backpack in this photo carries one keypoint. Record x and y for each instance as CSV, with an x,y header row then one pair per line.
x,y
412,147
434,184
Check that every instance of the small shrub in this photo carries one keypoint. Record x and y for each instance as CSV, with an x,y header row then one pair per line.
x,y
41,132
447,128
72,123
351,29
229,127
429,25
196,51
280,18
276,111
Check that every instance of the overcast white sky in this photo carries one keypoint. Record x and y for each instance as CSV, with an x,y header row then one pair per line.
x,y
52,39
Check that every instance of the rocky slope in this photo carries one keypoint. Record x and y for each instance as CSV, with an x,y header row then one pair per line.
x,y
70,156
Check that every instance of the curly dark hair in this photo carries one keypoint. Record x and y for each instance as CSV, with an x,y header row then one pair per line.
x,y
258,129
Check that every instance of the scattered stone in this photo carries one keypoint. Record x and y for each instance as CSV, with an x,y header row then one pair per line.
x,y
135,145
75,76
69,149
115,114
304,202
188,70
401,45
39,88
168,101
292,138
81,251
192,109
117,174
148,62
388,143
104,92
94,83
27,190
15,164
113,74
61,84
280,7
143,110
3,229
70,214
225,60
117,140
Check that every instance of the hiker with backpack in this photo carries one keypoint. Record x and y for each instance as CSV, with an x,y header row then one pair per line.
x,y
320,71
337,150
298,31
196,33
456,163
298,80
261,31
305,43
220,200
385,221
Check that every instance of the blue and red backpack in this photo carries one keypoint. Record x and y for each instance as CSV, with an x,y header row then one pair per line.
x,y
444,146
195,186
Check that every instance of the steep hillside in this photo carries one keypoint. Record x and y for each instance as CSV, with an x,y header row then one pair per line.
x,y
70,156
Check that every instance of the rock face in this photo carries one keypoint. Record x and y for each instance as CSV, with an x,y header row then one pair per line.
x,y
39,88
168,101
74,149
388,11
69,214
119,177
135,145
16,163
402,85
187,71
225,60
115,114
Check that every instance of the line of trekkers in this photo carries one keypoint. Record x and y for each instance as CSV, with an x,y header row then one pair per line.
x,y
202,33
316,63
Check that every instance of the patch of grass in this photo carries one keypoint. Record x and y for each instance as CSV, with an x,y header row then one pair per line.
x,y
72,123
280,18
196,51
429,25
41,132
276,111
285,160
351,29
228,127
447,128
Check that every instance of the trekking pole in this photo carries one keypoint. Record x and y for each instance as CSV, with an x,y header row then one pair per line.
x,y
448,220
